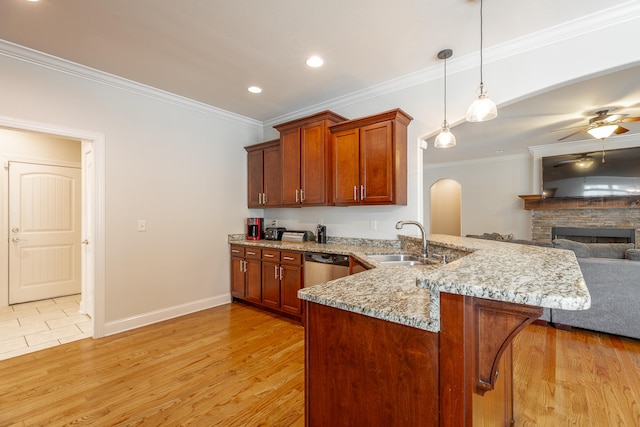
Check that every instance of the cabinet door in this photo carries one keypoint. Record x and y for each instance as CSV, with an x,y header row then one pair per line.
x,y
272,182
313,173
346,167
255,171
290,154
291,282
271,284
237,277
254,282
376,163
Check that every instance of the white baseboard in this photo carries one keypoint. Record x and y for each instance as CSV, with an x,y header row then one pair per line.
x,y
151,317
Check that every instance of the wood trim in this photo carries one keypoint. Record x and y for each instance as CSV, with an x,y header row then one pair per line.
x,y
396,115
565,203
327,115
263,145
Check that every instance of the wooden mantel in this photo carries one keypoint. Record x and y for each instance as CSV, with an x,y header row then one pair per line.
x,y
537,202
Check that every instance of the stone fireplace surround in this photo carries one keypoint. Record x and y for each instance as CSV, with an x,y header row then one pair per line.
x,y
544,220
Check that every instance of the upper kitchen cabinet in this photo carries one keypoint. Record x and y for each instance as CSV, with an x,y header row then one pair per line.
x,y
369,160
306,163
264,175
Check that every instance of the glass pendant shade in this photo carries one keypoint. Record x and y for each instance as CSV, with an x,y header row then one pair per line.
x,y
602,132
445,139
482,109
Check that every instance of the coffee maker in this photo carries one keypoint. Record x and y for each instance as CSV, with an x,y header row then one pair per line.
x,y
254,228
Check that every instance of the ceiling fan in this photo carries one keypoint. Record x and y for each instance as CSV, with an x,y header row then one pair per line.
x,y
604,124
581,161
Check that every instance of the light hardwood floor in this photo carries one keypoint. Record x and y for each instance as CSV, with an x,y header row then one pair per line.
x,y
237,366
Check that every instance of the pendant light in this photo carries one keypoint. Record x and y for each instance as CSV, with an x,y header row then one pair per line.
x,y
482,109
445,139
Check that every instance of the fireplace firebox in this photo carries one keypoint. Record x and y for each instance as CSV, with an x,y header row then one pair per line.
x,y
595,235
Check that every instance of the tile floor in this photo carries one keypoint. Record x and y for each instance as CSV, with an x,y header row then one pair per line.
x,y
33,326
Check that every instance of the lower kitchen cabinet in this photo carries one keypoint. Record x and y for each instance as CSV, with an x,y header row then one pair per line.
x,y
271,273
291,280
246,277
267,278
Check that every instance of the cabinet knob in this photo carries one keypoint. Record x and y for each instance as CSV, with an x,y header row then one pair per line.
x,y
355,193
264,198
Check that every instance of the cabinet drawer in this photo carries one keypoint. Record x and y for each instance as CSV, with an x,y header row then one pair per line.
x,y
252,253
237,251
271,255
294,258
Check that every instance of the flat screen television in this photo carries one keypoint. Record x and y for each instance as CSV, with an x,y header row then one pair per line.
x,y
585,175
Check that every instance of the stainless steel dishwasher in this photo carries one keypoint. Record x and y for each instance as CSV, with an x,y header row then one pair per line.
x,y
321,268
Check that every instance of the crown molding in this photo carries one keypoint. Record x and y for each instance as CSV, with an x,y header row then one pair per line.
x,y
584,146
41,59
481,160
553,35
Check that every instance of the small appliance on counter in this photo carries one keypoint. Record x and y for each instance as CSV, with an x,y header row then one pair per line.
x,y
298,236
274,233
254,228
322,233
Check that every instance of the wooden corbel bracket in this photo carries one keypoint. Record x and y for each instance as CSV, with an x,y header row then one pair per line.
x,y
495,325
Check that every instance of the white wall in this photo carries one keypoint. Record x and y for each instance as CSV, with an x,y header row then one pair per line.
x,y
490,190
182,169
29,145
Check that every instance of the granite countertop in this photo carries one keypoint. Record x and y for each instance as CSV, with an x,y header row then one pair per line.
x,y
410,295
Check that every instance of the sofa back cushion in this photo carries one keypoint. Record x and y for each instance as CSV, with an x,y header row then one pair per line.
x,y
594,250
632,254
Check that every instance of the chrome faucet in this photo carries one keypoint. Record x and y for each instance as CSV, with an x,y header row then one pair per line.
x,y
400,224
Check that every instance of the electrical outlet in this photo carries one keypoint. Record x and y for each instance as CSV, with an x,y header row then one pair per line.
x,y
373,225
274,222
142,225
320,221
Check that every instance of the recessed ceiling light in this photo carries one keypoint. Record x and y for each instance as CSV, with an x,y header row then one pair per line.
x,y
315,62
254,89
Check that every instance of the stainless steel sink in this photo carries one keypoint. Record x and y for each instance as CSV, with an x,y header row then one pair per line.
x,y
394,258
401,263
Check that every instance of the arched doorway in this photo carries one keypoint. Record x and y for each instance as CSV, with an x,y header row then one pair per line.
x,y
446,196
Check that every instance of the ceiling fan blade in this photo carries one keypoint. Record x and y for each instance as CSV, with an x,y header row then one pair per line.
x,y
565,162
571,134
620,130
629,119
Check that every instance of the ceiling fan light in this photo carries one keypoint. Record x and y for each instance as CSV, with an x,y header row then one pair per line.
x,y
482,108
602,132
585,163
445,138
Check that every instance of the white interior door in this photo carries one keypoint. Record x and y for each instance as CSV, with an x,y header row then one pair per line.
x,y
44,231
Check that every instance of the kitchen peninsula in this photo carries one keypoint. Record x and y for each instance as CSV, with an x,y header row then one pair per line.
x,y
427,346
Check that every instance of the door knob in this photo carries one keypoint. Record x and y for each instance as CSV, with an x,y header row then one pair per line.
x,y
15,230
85,242
16,240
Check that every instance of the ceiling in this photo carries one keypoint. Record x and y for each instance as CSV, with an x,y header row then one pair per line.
x,y
211,51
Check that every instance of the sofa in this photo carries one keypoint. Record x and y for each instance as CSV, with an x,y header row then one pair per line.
x,y
611,272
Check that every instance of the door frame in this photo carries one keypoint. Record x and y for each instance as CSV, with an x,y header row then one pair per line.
x,y
97,141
